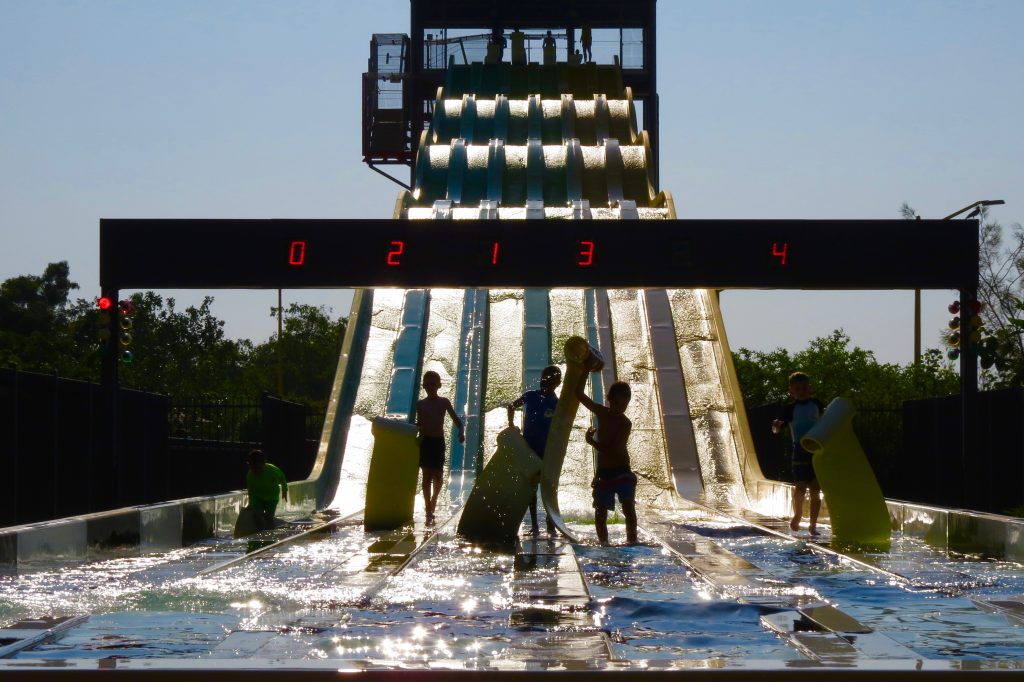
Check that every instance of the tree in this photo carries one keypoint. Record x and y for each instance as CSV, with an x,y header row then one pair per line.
x,y
310,343
838,369
1001,273
1000,286
183,353
34,314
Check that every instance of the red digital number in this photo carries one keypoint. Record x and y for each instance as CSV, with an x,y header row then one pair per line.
x,y
586,254
780,253
396,250
494,254
297,253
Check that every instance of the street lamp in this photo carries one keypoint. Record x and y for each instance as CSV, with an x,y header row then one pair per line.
x,y
977,205
977,208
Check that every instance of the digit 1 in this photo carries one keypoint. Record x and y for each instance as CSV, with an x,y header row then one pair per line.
x,y
494,254
586,254
780,254
297,253
396,250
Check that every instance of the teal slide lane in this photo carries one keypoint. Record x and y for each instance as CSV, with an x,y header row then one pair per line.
x,y
536,336
594,339
470,379
405,377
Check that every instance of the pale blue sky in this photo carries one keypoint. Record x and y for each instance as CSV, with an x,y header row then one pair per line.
x,y
769,109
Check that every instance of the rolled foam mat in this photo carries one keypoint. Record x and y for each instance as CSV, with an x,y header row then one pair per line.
x,y
856,507
394,469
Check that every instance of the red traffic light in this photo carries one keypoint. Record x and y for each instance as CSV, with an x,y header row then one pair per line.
x,y
104,303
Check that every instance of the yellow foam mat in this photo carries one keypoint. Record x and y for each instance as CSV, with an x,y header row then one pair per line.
x,y
502,492
394,471
580,358
856,506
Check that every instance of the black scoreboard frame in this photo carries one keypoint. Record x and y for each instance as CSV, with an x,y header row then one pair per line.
x,y
716,254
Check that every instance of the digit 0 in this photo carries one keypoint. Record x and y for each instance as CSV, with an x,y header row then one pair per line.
x,y
297,253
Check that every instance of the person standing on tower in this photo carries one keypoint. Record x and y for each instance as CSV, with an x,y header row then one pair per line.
x,y
586,41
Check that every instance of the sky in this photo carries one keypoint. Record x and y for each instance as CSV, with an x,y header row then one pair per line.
x,y
251,109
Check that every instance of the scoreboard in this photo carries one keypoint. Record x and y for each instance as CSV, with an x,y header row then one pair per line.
x,y
720,254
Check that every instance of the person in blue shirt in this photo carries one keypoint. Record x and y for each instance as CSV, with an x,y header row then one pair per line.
x,y
801,415
538,409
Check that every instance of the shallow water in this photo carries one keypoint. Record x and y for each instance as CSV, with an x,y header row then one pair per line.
x,y
329,597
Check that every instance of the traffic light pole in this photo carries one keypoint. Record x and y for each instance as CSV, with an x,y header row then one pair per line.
x,y
107,481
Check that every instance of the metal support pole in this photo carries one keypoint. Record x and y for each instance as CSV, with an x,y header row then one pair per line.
x,y
969,463
108,479
280,348
917,326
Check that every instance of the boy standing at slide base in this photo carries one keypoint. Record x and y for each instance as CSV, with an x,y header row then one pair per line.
x,y
430,414
614,475
538,409
801,415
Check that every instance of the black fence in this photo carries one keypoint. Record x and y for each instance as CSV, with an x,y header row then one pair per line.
x,y
916,450
214,438
59,460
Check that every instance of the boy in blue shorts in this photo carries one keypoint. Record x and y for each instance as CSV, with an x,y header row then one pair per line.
x,y
614,477
538,409
801,415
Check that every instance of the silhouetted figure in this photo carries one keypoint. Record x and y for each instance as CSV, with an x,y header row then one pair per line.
x,y
430,414
538,409
614,477
518,47
801,415
586,41
495,46
549,48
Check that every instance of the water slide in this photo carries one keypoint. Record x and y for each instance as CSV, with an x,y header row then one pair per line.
x,y
517,156
522,149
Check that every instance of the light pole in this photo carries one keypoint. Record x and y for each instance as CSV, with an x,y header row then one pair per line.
x,y
917,292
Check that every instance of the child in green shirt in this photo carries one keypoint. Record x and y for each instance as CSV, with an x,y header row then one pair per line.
x,y
266,485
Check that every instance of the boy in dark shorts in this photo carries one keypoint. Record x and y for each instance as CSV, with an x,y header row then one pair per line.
x,y
430,414
538,409
801,415
614,476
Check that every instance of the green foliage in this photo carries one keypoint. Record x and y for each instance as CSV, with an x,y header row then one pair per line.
x,y
309,345
837,369
182,353
31,309
1001,278
1002,360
